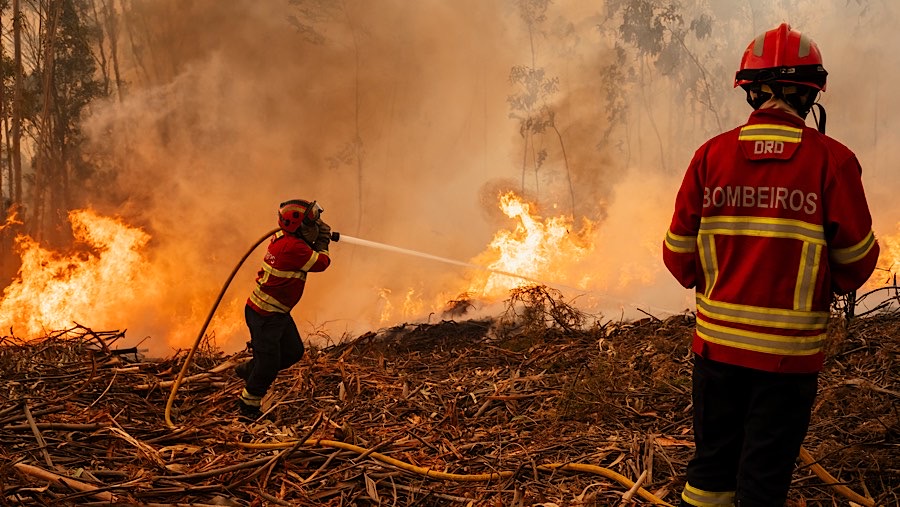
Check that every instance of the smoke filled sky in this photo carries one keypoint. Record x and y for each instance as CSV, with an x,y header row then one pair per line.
x,y
395,116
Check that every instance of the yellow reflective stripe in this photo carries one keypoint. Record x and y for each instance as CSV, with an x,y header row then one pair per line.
x,y
709,261
760,342
249,399
776,318
681,244
284,274
855,252
765,227
701,498
267,302
770,132
312,260
806,276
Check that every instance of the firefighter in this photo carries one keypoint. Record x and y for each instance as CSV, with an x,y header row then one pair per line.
x,y
770,222
300,247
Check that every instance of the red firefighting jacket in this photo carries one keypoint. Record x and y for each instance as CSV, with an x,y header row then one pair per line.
x,y
770,221
280,282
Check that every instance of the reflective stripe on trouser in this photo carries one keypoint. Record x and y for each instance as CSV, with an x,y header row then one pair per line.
x,y
250,400
701,498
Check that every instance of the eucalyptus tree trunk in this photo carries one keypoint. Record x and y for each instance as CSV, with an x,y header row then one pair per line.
x,y
16,151
46,166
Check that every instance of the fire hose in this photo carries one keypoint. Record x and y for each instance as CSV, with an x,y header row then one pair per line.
x,y
446,476
805,456
212,311
335,236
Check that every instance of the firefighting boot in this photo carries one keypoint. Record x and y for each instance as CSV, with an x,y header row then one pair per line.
x,y
248,406
248,413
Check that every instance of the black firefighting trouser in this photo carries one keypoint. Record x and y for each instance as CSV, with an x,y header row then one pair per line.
x,y
276,345
748,428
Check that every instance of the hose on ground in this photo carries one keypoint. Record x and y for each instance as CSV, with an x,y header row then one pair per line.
x,y
212,311
428,472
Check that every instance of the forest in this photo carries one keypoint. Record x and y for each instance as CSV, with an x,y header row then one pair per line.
x,y
144,145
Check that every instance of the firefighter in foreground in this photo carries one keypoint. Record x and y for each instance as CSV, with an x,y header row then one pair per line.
x,y
770,221
300,247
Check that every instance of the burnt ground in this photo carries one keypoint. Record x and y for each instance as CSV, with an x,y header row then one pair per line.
x,y
533,407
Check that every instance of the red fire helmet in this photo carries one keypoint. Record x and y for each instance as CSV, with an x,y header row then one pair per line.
x,y
292,213
782,55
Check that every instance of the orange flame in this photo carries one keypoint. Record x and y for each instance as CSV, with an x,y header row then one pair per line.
x,y
535,248
888,261
11,220
540,250
53,290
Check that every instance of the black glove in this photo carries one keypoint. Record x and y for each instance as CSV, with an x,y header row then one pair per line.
x,y
309,231
324,237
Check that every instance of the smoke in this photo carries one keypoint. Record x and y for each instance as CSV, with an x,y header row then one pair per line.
x,y
395,117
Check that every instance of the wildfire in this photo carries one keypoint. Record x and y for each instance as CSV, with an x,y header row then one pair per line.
x,y
539,249
888,261
52,290
11,220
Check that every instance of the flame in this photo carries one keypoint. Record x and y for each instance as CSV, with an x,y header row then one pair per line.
x,y
539,249
384,300
412,305
11,220
90,286
888,261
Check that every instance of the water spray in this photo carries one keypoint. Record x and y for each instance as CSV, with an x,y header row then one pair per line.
x,y
336,236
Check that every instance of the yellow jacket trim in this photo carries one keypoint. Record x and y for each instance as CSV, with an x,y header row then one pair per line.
x,y
770,132
312,260
760,342
288,274
855,252
267,302
761,316
681,244
766,227
709,261
805,287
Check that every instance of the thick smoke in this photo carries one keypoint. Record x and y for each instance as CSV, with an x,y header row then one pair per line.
x,y
394,115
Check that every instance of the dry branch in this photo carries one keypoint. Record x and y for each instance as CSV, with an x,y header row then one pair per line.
x,y
539,407
64,481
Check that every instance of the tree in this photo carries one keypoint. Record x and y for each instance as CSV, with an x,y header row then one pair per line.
x,y
656,38
68,85
16,131
105,20
530,104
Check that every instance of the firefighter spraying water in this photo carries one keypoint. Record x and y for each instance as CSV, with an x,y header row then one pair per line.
x,y
298,247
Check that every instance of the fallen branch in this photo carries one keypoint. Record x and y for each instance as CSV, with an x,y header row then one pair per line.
x,y
42,474
831,481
